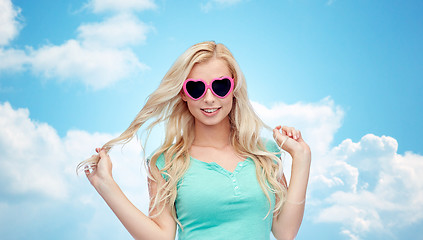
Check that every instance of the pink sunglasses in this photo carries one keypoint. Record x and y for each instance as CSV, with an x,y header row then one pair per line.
x,y
197,88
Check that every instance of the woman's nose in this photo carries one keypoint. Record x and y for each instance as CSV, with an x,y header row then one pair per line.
x,y
209,97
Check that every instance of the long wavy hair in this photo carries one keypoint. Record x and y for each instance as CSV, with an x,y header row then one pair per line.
x,y
165,105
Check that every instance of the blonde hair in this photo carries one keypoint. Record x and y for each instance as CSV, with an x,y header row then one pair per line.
x,y
166,105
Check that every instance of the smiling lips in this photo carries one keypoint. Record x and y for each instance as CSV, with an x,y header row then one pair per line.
x,y
210,110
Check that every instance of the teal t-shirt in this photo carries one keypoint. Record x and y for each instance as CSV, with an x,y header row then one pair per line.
x,y
214,203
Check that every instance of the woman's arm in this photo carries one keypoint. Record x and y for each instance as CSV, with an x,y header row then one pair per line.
x,y
137,223
287,223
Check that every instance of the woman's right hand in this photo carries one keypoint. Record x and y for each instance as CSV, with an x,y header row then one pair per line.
x,y
102,172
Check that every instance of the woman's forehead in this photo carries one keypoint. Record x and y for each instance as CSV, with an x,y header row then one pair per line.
x,y
210,69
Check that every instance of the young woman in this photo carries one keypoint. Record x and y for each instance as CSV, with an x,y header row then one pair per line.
x,y
214,176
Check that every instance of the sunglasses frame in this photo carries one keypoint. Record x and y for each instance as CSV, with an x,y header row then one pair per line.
x,y
208,86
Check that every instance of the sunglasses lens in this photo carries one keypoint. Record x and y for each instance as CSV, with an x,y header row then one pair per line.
x,y
222,87
195,89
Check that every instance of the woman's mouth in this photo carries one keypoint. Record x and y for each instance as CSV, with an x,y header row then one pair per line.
x,y
210,111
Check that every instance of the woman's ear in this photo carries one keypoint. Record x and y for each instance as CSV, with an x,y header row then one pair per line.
x,y
183,96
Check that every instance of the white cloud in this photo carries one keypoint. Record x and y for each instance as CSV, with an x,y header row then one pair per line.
x,y
12,60
9,24
350,235
118,31
365,186
22,142
95,67
121,6
388,191
318,122
35,159
100,56
37,173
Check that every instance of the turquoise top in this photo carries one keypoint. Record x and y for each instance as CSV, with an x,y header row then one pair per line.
x,y
214,203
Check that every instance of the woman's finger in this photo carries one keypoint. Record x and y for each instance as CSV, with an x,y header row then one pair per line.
x,y
88,170
103,153
295,134
277,135
284,131
280,137
291,132
300,136
287,130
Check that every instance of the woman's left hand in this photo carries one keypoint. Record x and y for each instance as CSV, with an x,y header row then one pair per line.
x,y
294,144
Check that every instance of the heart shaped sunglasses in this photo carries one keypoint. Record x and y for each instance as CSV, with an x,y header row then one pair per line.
x,y
197,88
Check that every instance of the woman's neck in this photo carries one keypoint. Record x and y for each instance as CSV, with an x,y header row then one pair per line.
x,y
216,136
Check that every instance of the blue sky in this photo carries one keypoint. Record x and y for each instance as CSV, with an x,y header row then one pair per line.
x,y
73,74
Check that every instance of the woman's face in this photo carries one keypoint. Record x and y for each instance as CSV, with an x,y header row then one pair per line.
x,y
210,110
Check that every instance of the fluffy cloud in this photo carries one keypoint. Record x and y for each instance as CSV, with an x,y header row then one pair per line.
x,y
100,55
118,31
95,67
366,186
34,159
9,24
121,6
387,193
317,121
38,177
12,60
22,139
